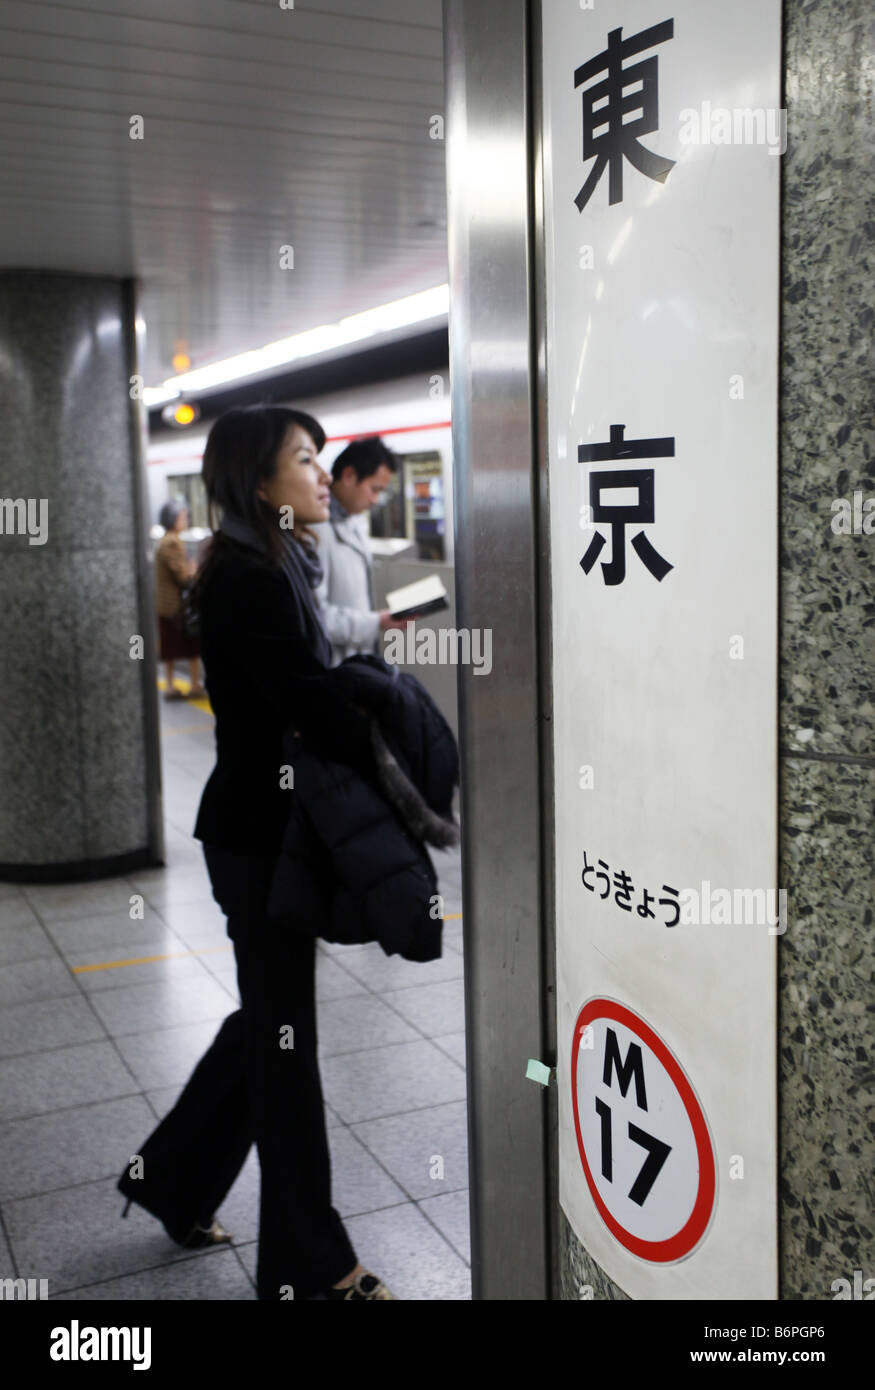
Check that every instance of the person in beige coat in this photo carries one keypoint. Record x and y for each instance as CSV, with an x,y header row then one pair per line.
x,y
346,594
173,571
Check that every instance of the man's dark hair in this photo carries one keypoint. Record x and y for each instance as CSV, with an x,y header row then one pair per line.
x,y
365,456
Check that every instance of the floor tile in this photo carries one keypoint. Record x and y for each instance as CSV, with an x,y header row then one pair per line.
x,y
343,1025
74,1146
452,935
35,979
381,973
358,1182
426,1151
451,1214
409,1255
333,980
76,1236
247,1264
163,1098
44,1081
433,1009
247,1254
16,911
454,1046
144,1008
368,1084
112,932
23,941
215,1276
60,901
47,1023
7,1268
168,1056
200,923
187,889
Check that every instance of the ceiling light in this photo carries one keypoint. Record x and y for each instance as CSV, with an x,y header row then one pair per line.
x,y
399,313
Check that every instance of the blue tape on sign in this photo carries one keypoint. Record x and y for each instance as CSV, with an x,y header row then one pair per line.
x,y
536,1071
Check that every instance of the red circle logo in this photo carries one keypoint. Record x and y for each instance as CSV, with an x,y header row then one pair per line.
x,y
684,1240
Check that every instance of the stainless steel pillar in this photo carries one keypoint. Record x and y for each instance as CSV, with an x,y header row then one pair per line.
x,y
496,520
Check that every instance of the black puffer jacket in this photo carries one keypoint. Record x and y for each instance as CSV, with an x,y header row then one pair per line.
x,y
353,866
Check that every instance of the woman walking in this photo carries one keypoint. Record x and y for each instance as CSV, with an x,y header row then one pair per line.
x,y
266,655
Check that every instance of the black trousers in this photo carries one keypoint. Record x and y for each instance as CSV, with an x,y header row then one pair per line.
x,y
258,1082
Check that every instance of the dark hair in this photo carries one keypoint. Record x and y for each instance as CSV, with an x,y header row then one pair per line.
x,y
171,512
240,454
365,456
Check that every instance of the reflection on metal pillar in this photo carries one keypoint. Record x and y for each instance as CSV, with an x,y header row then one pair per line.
x,y
496,527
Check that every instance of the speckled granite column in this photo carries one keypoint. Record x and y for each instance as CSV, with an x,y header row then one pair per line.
x,y
827,715
826,1157
79,753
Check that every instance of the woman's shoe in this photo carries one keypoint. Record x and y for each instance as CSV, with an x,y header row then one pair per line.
x,y
366,1286
198,1238
202,1236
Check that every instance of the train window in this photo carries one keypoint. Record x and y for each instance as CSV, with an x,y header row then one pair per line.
x,y
413,507
424,503
189,488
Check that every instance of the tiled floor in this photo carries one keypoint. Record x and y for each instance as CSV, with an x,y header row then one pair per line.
x,y
89,1059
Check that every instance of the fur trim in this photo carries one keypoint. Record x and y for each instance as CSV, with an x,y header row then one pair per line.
x,y
412,807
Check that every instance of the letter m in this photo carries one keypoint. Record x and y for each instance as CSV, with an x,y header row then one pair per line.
x,y
14,512
633,1066
13,1288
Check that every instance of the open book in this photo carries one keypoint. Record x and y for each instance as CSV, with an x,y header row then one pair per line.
x,y
421,597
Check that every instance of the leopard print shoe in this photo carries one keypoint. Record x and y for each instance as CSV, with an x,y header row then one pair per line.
x,y
366,1286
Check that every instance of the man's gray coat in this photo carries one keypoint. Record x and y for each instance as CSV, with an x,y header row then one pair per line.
x,y
346,593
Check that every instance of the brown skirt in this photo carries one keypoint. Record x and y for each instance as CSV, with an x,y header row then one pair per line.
x,y
174,644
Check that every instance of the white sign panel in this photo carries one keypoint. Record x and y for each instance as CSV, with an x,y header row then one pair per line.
x,y
662,142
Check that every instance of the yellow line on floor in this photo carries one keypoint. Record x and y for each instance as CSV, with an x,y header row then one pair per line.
x,y
203,703
145,960
178,955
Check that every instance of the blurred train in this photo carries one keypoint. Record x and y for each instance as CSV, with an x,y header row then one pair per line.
x,y
412,416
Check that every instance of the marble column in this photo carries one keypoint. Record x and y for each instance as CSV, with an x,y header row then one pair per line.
x,y
827,655
79,752
827,715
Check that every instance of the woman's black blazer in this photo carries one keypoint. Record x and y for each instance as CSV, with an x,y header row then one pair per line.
x,y
262,676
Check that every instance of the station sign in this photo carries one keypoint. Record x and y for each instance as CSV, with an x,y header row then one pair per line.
x,y
662,139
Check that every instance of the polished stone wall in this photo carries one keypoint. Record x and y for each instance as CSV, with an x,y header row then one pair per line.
x,y
77,756
827,693
826,1156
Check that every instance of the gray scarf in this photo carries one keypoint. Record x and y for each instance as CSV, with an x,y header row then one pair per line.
x,y
301,568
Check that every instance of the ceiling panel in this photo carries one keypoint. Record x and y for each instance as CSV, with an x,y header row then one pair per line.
x,y
263,127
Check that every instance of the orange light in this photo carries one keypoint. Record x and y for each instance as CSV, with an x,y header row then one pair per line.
x,y
184,414
181,361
